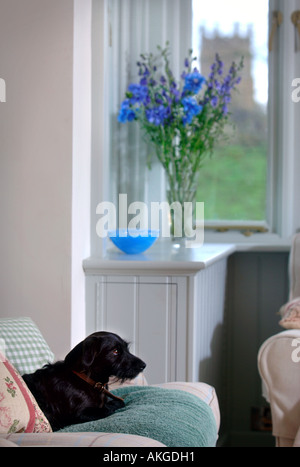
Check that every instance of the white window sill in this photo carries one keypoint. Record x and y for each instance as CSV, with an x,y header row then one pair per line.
x,y
267,242
161,258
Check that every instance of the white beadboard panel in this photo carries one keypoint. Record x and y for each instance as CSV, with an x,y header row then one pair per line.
x,y
116,310
175,323
184,309
144,313
157,322
209,322
115,307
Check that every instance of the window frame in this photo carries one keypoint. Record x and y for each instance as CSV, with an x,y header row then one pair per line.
x,y
282,216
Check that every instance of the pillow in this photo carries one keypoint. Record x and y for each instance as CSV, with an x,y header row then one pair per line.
x,y
19,411
290,314
24,345
175,418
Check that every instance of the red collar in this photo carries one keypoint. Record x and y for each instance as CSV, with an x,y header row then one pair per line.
x,y
96,385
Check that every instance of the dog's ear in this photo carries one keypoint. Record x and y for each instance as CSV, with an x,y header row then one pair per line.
x,y
91,348
83,355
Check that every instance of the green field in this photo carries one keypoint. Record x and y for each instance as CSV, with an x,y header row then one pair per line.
x,y
232,183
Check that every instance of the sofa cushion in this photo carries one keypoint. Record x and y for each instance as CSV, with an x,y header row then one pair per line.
x,y
203,391
19,411
172,417
24,345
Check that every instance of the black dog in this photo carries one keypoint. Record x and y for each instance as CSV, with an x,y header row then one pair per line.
x,y
66,391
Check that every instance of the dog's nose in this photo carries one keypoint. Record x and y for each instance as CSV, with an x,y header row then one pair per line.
x,y
143,366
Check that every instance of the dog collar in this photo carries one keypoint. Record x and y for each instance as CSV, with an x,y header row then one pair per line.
x,y
96,385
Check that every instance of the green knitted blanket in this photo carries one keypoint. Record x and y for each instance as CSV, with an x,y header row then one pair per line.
x,y
173,417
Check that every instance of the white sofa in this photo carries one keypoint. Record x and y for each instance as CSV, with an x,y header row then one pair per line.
x,y
29,332
281,376
279,363
105,440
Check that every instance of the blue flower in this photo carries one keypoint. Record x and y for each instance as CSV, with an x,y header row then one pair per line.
x,y
214,101
126,112
191,108
193,82
157,115
174,91
225,109
139,93
144,81
159,100
227,99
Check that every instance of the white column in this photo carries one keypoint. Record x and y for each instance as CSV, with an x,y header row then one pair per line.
x,y
81,164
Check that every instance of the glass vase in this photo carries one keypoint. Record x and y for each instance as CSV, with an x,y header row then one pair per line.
x,y
182,215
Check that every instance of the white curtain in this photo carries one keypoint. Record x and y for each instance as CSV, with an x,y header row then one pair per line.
x,y
135,27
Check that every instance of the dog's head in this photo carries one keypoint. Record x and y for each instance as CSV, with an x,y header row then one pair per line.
x,y
102,355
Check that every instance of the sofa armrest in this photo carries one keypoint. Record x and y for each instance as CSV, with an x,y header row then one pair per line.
x,y
77,440
279,368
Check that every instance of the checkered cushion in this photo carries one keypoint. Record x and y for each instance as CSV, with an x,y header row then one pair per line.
x,y
23,344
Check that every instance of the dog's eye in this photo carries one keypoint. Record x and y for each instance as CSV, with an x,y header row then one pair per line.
x,y
116,352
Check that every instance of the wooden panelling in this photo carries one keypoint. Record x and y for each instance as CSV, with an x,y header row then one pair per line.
x,y
144,313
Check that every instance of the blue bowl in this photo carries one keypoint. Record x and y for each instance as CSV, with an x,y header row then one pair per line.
x,y
133,242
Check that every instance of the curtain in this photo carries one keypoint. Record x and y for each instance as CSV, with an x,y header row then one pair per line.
x,y
135,27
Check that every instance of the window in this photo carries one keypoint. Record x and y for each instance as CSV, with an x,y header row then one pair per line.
x,y
252,178
233,182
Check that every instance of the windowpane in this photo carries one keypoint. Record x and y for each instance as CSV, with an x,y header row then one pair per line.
x,y
233,182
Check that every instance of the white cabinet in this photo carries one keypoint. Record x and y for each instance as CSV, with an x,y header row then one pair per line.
x,y
145,312
168,311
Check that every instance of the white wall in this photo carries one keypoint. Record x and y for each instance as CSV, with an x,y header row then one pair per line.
x,y
36,60
81,188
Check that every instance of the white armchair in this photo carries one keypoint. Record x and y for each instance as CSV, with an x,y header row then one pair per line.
x,y
279,363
